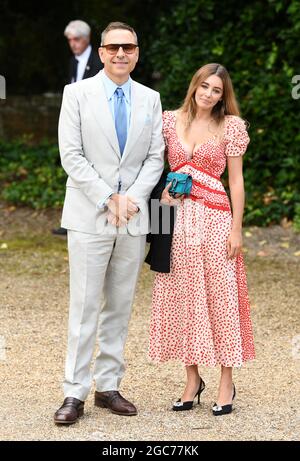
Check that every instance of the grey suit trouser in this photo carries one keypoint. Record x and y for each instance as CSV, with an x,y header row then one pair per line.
x,y
104,270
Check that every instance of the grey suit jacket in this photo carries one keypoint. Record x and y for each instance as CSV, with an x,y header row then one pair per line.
x,y
91,157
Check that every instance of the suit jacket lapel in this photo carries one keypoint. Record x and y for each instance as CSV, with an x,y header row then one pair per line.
x,y
100,108
88,66
137,121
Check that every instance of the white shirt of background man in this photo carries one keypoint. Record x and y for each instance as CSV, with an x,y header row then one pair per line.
x,y
82,62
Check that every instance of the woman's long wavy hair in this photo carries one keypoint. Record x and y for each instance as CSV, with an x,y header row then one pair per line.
x,y
226,106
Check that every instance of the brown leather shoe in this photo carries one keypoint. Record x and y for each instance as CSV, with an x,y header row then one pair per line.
x,y
114,401
69,412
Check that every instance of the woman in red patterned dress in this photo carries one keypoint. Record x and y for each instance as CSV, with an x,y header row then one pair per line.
x,y
200,309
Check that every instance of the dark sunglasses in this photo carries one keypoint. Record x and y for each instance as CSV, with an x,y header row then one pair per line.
x,y
113,48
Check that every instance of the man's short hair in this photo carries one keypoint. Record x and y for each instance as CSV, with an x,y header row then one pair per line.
x,y
116,26
77,28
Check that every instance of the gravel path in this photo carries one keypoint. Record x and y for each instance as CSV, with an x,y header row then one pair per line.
x,y
33,326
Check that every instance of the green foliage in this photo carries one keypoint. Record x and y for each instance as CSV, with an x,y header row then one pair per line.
x,y
31,175
297,218
258,42
34,53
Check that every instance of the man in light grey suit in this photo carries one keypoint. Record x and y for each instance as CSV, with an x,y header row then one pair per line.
x,y
111,146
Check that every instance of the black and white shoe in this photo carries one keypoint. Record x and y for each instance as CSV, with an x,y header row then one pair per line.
x,y
188,405
219,410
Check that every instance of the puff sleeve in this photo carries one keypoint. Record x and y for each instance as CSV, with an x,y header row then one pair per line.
x,y
237,138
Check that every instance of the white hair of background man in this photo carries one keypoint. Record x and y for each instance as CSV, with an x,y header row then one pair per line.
x,y
77,28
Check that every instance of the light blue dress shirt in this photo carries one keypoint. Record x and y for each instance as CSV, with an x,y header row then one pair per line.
x,y
110,88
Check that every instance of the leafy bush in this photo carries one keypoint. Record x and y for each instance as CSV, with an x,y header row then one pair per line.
x,y
31,175
297,218
258,42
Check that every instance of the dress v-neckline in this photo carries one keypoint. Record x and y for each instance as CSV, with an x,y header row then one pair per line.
x,y
199,145
191,155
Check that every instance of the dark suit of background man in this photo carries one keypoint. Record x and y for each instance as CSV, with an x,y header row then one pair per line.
x,y
84,63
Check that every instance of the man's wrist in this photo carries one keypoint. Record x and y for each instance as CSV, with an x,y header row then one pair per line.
x,y
108,199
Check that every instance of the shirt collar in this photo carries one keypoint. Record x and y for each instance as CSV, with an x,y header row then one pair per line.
x,y
110,87
85,54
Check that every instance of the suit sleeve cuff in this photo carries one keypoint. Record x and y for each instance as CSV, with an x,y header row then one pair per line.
x,y
103,203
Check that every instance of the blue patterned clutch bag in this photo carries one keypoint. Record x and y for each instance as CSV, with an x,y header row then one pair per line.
x,y
181,183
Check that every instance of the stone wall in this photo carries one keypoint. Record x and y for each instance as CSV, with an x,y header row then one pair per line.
x,y
35,116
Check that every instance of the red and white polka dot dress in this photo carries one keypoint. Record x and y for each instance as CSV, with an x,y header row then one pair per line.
x,y
200,310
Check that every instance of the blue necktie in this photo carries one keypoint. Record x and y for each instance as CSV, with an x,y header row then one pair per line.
x,y
120,118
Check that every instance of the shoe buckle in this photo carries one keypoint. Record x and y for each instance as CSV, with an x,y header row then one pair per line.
x,y
217,408
178,404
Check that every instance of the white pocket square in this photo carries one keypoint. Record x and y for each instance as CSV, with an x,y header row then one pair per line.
x,y
148,120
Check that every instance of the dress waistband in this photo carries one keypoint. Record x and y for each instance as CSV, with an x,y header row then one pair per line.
x,y
197,168
206,187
